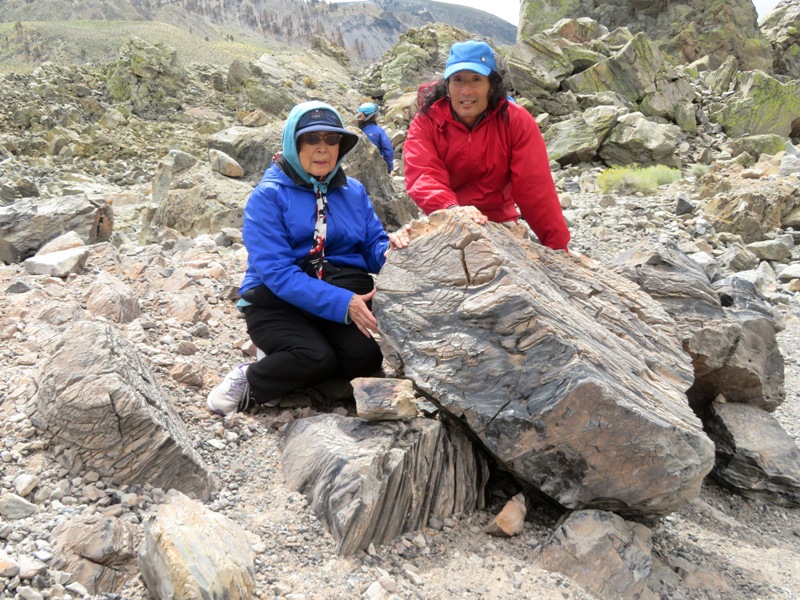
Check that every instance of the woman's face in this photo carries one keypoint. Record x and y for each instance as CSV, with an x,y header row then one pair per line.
x,y
318,159
469,95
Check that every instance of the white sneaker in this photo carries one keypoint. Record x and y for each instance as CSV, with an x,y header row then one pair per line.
x,y
233,394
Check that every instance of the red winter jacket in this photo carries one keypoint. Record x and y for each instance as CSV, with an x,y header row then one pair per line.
x,y
501,162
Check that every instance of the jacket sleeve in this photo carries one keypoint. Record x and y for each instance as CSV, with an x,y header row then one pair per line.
x,y
532,184
427,179
387,151
376,241
269,253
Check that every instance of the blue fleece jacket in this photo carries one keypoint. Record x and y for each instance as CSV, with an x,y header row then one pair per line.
x,y
279,220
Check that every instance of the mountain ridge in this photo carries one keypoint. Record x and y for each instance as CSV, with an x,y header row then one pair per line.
x,y
365,30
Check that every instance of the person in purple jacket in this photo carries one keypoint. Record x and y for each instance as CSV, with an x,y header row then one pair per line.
x,y
367,120
305,223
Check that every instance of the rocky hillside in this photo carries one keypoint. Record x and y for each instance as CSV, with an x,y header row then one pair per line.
x,y
363,29
114,332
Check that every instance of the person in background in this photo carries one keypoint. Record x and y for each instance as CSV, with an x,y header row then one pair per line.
x,y
470,149
312,238
367,120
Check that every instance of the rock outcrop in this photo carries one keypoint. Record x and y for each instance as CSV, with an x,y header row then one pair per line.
x,y
686,30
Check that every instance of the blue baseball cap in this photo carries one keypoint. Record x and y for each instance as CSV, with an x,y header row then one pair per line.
x,y
368,108
470,56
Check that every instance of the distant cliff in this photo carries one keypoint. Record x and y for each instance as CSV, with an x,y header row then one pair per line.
x,y
365,30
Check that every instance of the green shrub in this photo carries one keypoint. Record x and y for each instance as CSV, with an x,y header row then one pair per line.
x,y
636,179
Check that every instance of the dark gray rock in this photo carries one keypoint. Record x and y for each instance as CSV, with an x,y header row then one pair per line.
x,y
572,377
755,456
28,224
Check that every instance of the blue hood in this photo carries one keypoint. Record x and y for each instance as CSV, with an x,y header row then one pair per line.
x,y
289,143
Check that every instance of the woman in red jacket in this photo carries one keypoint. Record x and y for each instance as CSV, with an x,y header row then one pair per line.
x,y
470,147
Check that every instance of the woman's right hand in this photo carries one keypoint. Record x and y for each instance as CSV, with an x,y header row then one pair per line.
x,y
361,315
472,213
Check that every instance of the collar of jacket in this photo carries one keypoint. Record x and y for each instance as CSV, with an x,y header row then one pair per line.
x,y
339,178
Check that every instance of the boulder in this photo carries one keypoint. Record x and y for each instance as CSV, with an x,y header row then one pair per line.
x,y
251,147
602,551
755,456
99,404
578,139
781,27
189,551
194,201
369,482
99,552
761,105
733,347
549,361
148,77
28,224
635,139
639,73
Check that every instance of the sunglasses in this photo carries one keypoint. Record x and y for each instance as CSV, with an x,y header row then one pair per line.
x,y
312,139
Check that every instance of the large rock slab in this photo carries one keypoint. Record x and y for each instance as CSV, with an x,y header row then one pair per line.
x,y
104,410
761,105
570,375
369,482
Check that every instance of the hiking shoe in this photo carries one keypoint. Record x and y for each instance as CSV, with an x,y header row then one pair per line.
x,y
232,395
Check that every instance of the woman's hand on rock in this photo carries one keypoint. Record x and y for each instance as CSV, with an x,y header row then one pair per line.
x,y
400,238
361,315
472,213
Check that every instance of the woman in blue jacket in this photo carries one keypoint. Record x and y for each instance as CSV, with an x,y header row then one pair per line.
x,y
305,224
367,120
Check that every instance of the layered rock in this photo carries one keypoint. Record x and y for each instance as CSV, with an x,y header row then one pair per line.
x,y
369,482
620,552
570,376
189,551
733,348
28,224
755,456
101,406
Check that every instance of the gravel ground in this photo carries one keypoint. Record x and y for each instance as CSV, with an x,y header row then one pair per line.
x,y
720,546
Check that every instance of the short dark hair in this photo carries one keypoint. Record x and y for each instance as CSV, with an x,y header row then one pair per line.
x,y
498,91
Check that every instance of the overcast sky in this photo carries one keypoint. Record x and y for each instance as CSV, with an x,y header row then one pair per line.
x,y
509,9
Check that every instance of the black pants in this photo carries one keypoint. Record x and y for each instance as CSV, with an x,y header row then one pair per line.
x,y
302,349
